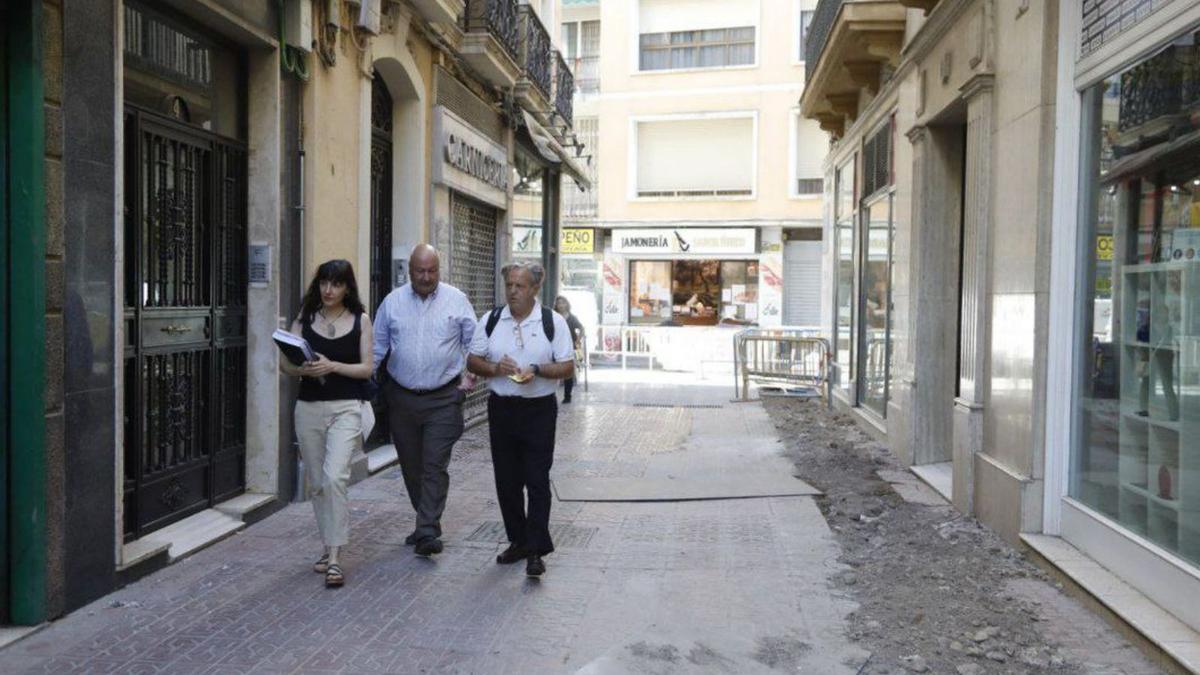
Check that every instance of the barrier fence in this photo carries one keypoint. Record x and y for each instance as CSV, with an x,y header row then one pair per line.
x,y
796,357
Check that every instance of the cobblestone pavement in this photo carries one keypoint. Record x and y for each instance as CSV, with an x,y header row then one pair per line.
x,y
733,586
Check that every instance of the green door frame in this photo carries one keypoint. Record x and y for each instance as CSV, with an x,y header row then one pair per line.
x,y
22,224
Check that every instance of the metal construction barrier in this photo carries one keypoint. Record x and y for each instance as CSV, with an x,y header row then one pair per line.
x,y
795,357
623,343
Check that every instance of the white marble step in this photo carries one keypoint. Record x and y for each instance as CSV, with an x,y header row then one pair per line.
x,y
196,532
239,506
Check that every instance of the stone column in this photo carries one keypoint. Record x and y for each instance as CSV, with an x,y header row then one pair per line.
x,y
976,246
936,220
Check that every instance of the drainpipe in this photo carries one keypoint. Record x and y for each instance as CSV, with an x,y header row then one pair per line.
x,y
27,300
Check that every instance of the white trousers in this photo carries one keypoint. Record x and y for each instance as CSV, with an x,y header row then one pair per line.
x,y
329,432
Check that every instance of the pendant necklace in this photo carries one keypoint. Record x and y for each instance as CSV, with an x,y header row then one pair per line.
x,y
332,329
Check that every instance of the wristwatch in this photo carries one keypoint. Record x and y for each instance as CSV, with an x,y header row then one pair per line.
x,y
537,371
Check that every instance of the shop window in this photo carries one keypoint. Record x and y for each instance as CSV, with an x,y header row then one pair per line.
x,y
843,242
693,292
528,228
650,292
1136,457
876,305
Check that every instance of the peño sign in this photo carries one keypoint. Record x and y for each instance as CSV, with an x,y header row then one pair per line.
x,y
577,240
469,161
687,240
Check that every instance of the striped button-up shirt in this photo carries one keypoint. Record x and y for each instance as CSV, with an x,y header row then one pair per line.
x,y
428,336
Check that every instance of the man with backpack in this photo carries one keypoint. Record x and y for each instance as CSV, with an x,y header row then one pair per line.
x,y
524,349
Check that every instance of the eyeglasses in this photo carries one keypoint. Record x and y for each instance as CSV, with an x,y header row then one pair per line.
x,y
517,334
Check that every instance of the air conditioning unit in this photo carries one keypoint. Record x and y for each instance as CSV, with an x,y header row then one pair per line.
x,y
370,15
297,22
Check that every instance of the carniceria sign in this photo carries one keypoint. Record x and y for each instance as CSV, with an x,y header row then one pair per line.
x,y
471,162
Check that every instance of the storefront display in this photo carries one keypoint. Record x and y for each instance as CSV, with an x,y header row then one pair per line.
x,y
1136,459
693,292
843,242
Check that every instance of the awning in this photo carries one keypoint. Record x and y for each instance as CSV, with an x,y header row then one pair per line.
x,y
552,151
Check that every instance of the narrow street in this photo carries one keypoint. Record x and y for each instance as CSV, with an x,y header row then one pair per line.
x,y
719,585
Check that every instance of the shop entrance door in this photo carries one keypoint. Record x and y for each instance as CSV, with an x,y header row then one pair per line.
x,y
185,317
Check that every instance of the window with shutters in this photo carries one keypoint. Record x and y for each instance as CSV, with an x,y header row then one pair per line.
x,y
809,145
695,158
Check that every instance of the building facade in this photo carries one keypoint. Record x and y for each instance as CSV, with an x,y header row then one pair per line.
x,y
708,190
1009,247
198,160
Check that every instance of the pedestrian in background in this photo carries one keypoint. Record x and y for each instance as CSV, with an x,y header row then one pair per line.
x,y
523,348
427,325
328,410
563,307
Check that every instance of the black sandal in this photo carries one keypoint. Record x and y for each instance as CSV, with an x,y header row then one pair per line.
x,y
334,577
322,564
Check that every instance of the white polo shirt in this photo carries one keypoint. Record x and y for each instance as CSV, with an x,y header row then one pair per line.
x,y
530,347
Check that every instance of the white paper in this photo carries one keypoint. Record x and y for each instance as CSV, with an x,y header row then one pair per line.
x,y
751,311
636,311
726,295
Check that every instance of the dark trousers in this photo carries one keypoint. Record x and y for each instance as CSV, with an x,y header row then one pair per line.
x,y
522,435
425,429
568,385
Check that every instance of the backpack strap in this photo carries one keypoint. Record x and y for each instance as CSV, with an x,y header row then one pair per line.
x,y
493,319
548,324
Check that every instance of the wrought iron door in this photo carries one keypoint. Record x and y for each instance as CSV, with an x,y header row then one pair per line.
x,y
185,314
381,192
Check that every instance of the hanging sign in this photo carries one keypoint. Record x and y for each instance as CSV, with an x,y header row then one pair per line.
x,y
686,240
578,240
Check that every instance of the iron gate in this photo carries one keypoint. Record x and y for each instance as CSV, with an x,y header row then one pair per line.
x,y
185,316
381,193
473,270
381,230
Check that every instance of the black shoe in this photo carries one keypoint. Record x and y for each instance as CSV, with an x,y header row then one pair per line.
x,y
566,400
535,567
411,538
512,554
428,547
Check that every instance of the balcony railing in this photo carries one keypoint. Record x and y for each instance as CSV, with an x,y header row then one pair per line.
x,y
500,18
1166,84
536,51
819,28
564,89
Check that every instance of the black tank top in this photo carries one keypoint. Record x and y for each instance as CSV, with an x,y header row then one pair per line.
x,y
344,349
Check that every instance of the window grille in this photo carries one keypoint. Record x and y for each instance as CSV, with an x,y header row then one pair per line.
x,y
713,48
154,45
877,158
575,202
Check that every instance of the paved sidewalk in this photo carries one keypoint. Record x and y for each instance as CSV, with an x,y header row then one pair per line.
x,y
734,586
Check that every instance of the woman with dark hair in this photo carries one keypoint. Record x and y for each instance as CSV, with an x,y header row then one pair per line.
x,y
329,410
563,307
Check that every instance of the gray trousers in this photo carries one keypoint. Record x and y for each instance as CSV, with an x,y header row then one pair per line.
x,y
424,429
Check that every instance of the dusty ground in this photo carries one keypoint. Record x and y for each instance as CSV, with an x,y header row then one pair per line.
x,y
937,592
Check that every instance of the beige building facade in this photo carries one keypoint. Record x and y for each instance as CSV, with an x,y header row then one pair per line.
x,y
708,183
1008,255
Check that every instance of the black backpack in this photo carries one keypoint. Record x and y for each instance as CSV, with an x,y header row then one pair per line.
x,y
547,322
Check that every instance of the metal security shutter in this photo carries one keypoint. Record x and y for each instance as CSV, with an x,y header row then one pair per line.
x,y
802,283
473,261
473,270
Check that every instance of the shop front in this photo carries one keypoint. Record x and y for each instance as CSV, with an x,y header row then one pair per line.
x,y
1125,470
690,276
